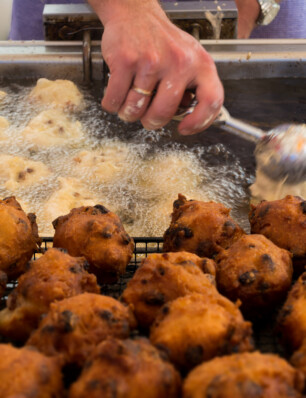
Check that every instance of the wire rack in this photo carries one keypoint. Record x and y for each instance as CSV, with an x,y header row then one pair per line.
x,y
143,247
264,336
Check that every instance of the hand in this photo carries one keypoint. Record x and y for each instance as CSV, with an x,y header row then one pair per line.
x,y
248,12
143,48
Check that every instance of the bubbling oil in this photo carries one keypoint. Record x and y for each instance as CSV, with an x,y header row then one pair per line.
x,y
150,175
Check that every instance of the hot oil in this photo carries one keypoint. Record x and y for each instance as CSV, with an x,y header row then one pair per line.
x,y
154,168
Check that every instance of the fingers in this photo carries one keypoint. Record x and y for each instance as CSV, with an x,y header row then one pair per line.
x,y
210,96
164,104
117,90
135,104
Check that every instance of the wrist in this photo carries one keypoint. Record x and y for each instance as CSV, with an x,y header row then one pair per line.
x,y
115,10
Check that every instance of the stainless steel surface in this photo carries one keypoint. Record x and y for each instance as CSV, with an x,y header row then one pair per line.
x,y
87,56
235,59
63,22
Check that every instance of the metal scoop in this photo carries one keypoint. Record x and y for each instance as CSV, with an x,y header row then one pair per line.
x,y
280,153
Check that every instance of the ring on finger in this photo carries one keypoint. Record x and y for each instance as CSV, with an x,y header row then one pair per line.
x,y
142,91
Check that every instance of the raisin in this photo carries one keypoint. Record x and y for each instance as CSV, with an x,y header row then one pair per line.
x,y
248,277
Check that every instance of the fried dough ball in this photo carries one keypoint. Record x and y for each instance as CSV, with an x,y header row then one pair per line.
x,y
3,282
3,94
103,165
62,94
127,369
52,128
255,271
98,235
18,237
73,327
195,328
53,277
199,227
164,277
292,317
25,373
19,172
4,125
298,359
284,223
169,173
252,375
71,194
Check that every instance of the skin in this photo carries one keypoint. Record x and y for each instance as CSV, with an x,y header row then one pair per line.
x,y
142,47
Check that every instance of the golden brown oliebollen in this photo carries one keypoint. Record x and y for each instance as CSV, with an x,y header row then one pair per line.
x,y
54,276
298,359
199,227
292,317
18,238
247,375
97,234
255,271
195,328
75,326
164,277
284,223
127,369
26,373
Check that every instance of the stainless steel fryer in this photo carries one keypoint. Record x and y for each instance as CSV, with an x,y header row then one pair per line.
x,y
265,84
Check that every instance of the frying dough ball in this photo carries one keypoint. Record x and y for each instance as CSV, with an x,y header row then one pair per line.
x,y
19,172
105,164
52,128
4,125
62,94
198,327
98,235
199,227
71,194
127,369
269,189
255,271
52,277
170,173
283,222
252,375
27,373
75,326
18,238
292,317
164,277
3,94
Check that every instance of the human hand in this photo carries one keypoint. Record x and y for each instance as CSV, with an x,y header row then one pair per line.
x,y
142,48
248,12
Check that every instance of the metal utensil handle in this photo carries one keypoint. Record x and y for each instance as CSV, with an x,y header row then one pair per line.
x,y
228,123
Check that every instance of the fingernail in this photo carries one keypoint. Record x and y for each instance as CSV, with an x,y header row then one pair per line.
x,y
153,125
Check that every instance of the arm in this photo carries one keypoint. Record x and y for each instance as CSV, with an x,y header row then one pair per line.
x,y
248,13
143,48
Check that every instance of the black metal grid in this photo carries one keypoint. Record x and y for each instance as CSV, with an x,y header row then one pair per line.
x,y
143,247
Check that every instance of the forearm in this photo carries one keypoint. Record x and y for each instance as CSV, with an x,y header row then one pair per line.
x,y
119,9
